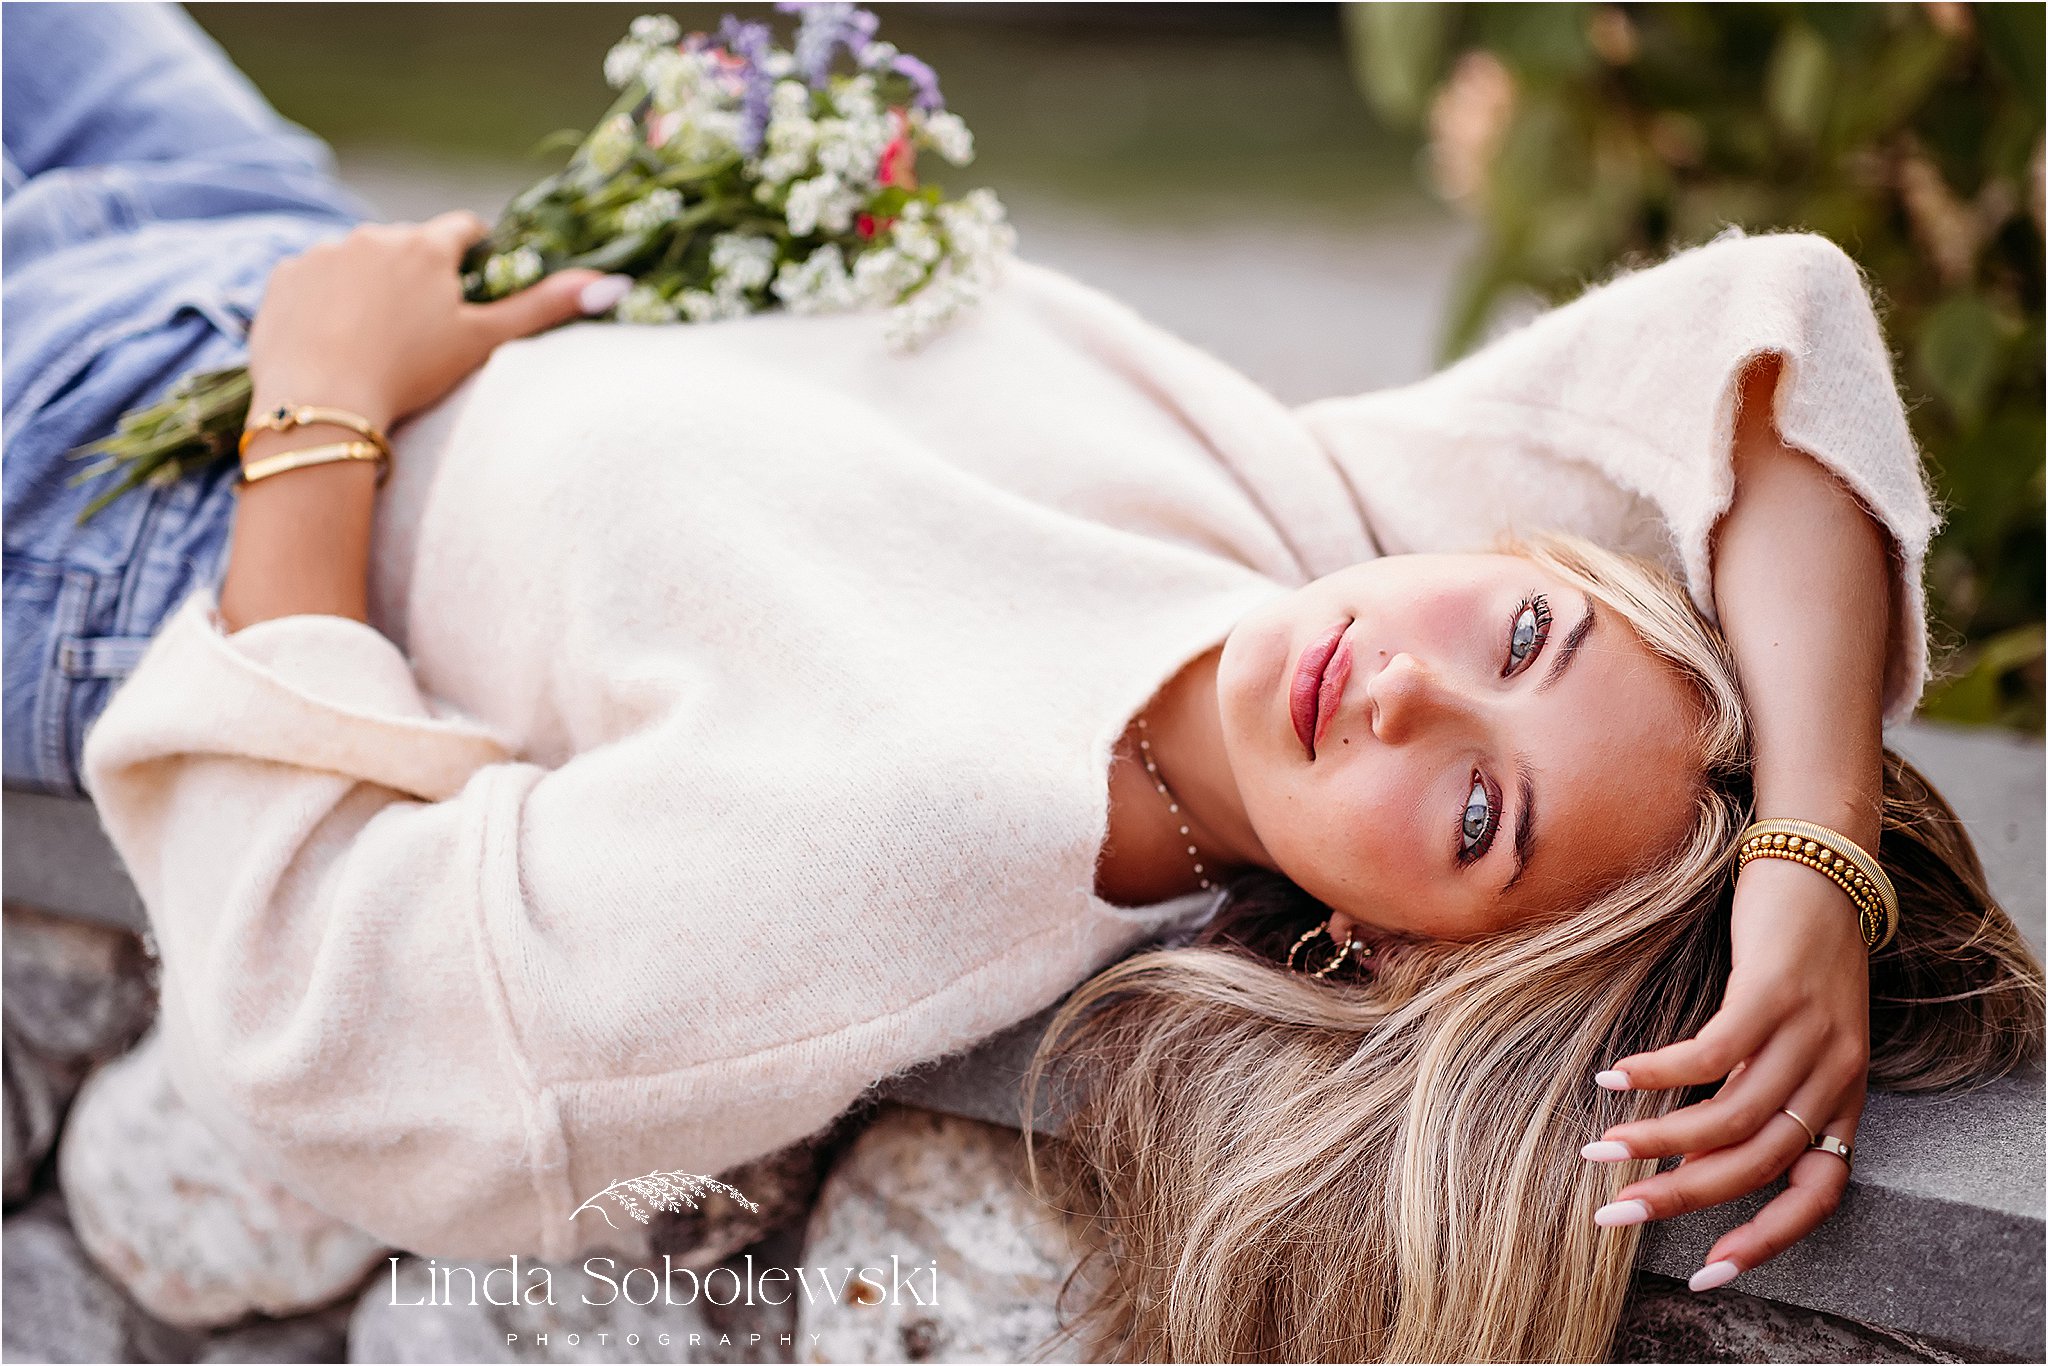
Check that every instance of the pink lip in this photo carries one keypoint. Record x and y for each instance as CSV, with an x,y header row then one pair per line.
x,y
1318,686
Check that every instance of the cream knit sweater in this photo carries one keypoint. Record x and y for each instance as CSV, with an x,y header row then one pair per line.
x,y
733,727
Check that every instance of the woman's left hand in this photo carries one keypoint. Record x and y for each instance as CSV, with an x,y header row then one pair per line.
x,y
375,322
1793,1033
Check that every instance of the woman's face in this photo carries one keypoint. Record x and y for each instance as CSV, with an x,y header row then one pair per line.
x,y
1482,745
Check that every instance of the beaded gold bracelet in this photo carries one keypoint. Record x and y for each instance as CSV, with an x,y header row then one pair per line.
x,y
1840,859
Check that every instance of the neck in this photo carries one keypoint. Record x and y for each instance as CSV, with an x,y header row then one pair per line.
x,y
1147,859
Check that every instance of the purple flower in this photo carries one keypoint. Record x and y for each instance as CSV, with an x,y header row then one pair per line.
x,y
923,78
744,38
825,28
751,43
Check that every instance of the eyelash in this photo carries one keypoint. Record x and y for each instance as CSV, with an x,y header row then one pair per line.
x,y
1491,795
1536,603
1539,605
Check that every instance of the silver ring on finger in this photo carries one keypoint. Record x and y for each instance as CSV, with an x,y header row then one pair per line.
x,y
1828,1143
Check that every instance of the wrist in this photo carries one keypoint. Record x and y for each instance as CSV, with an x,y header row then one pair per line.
x,y
269,395
261,445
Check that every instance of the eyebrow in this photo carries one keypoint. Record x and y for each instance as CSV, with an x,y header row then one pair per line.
x,y
1570,649
1525,787
1525,822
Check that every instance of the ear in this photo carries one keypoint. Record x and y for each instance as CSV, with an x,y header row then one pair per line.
x,y
1343,927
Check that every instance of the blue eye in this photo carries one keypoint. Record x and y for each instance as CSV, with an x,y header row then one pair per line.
x,y
1477,822
1527,632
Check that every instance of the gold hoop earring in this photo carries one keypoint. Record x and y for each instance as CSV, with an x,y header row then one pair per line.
x,y
1350,941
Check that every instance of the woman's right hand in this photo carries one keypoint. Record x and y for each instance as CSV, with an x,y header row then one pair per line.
x,y
376,323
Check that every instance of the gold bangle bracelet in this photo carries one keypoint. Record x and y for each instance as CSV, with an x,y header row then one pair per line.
x,y
285,461
286,416
1838,857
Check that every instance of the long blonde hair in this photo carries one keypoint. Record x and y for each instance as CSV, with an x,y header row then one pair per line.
x,y
1259,1166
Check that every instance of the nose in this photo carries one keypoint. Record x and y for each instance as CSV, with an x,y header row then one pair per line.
x,y
1408,697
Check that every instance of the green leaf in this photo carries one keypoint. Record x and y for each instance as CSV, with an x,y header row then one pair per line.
x,y
1397,56
1903,78
616,254
1547,44
561,140
1479,288
2014,37
1796,87
1962,353
1979,695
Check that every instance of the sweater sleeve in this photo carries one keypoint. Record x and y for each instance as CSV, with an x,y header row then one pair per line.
x,y
1613,417
320,847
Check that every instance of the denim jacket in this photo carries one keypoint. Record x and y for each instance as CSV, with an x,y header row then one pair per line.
x,y
149,191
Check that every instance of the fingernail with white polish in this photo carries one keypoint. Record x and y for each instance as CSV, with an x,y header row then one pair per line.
x,y
1605,1151
1621,1214
602,293
1612,1080
1714,1274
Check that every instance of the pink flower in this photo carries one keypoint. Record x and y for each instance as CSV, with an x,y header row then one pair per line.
x,y
663,126
898,165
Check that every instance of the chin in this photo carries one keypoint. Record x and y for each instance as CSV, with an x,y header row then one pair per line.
x,y
1250,684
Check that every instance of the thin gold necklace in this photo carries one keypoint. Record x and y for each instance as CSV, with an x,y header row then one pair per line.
x,y
1172,803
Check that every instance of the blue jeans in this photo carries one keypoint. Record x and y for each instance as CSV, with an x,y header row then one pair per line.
x,y
149,190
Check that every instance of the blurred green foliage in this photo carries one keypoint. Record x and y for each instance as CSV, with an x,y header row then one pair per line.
x,y
1144,110
1584,136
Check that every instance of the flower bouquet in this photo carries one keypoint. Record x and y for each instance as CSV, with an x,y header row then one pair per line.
x,y
730,176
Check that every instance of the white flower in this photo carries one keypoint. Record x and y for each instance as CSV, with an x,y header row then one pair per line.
x,y
918,318
700,307
821,201
512,271
789,99
882,274
673,78
818,285
854,97
611,146
645,40
976,226
742,262
915,240
878,54
655,30
643,304
778,63
791,136
658,207
622,64
851,148
947,133
707,134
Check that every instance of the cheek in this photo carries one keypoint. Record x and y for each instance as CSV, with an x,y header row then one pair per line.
x,y
1254,653
1355,835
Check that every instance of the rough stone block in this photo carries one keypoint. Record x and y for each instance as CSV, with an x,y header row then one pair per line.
x,y
56,1305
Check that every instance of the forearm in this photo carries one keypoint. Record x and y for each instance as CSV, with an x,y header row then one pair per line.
x,y
301,540
1803,585
374,324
